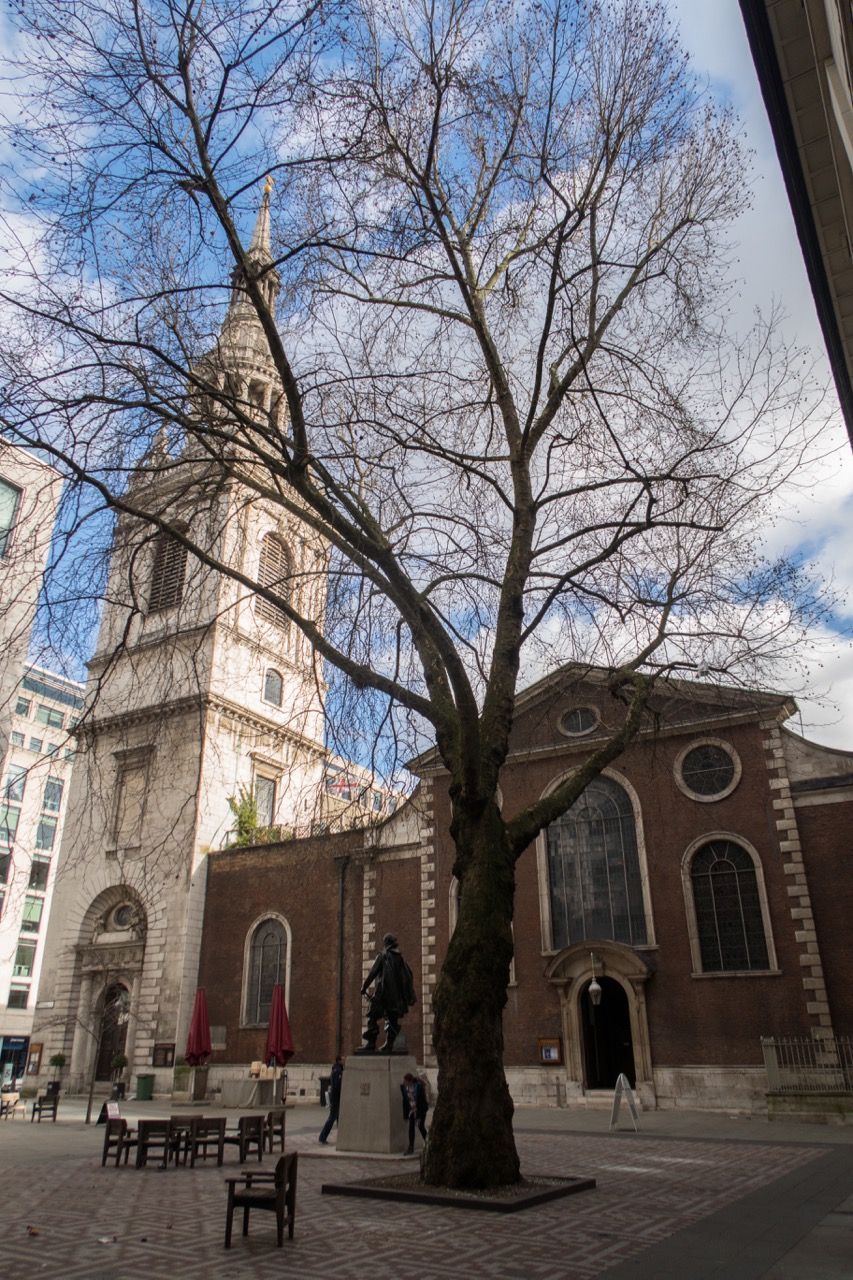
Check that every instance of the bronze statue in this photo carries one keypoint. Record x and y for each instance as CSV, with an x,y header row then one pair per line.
x,y
392,996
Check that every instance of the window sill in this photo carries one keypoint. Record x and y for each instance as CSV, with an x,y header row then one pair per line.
x,y
741,973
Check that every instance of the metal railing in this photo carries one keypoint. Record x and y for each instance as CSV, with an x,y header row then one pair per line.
x,y
806,1065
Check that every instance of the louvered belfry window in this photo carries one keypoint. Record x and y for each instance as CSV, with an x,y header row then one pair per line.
x,y
274,571
167,576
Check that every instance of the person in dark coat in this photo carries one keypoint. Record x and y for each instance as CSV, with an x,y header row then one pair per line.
x,y
393,995
415,1107
334,1100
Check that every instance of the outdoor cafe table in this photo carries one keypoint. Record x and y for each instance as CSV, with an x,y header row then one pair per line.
x,y
251,1093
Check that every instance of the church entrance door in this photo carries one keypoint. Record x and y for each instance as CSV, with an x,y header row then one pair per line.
x,y
114,1019
607,1041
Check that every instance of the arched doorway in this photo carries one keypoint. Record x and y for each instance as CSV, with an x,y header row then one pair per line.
x,y
114,1019
608,1047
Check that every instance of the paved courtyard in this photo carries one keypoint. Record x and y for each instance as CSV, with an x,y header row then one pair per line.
x,y
688,1196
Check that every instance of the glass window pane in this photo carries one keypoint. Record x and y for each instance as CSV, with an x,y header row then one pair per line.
x,y
50,716
273,688
22,707
31,918
39,872
52,795
594,869
267,968
16,780
265,801
35,744
5,867
25,959
45,833
18,997
8,823
729,921
17,739
10,497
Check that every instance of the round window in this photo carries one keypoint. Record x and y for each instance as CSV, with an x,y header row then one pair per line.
x,y
122,916
578,721
708,770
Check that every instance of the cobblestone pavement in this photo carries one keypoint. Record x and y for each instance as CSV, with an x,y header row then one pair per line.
x,y
66,1216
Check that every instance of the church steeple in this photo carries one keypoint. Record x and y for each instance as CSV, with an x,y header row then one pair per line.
x,y
261,259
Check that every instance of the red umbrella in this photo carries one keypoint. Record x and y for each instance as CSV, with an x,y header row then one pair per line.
x,y
198,1040
279,1038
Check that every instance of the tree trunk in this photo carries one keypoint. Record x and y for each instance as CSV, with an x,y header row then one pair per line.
x,y
471,1142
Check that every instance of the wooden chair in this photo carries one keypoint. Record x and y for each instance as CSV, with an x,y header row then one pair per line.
x,y
273,1192
9,1103
154,1137
183,1134
274,1129
45,1104
208,1139
118,1137
250,1133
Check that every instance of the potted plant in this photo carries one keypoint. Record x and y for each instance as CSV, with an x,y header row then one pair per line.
x,y
58,1061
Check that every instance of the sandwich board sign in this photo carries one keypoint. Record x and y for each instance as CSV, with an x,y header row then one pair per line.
x,y
623,1087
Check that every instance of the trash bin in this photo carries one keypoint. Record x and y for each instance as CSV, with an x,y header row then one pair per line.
x,y
144,1088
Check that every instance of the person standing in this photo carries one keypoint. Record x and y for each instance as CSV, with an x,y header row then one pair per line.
x,y
334,1100
415,1107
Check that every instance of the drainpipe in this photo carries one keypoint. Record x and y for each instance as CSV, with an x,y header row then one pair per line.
x,y
343,863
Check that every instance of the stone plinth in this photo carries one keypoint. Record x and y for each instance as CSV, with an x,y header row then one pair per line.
x,y
371,1116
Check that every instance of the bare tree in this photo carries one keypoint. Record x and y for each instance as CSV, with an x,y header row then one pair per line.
x,y
505,402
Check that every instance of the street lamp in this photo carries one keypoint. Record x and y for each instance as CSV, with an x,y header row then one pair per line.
x,y
594,988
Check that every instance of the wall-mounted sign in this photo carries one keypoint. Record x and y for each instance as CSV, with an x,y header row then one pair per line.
x,y
550,1052
164,1055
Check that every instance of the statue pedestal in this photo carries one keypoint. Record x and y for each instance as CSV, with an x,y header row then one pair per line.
x,y
371,1116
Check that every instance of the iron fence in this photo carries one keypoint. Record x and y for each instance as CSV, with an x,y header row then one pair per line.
x,y
807,1065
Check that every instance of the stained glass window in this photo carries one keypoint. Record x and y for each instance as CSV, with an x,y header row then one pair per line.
x,y
708,769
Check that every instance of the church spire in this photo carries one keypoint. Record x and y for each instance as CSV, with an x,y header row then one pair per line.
x,y
260,246
261,259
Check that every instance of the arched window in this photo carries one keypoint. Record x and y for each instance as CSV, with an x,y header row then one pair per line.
x,y
274,571
167,575
267,960
273,687
594,878
729,918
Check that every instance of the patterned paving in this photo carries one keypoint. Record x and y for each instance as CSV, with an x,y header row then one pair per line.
x,y
169,1223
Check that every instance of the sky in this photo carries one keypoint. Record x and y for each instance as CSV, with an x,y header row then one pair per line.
x,y
817,522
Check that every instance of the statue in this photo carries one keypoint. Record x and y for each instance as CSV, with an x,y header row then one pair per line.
x,y
392,997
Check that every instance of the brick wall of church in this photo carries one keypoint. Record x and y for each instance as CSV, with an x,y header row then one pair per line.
x,y
692,1020
827,834
300,881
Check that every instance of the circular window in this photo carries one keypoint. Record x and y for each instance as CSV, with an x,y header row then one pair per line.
x,y
708,770
122,917
578,721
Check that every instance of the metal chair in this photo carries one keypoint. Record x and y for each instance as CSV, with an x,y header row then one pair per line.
x,y
250,1133
274,1128
273,1192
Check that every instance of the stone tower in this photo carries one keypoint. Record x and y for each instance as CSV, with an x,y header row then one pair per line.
x,y
198,690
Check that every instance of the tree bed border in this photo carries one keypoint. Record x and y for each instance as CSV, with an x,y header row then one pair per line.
x,y
502,1200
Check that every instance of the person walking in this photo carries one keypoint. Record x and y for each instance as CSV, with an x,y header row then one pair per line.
x,y
334,1100
415,1107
